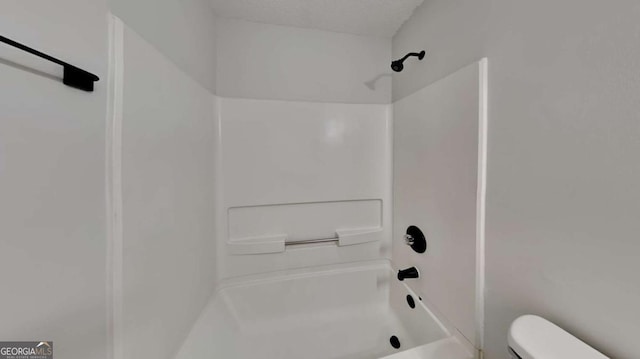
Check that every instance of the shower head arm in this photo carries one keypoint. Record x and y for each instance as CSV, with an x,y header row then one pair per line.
x,y
419,55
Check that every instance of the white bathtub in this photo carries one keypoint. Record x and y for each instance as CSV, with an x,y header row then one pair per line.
x,y
337,312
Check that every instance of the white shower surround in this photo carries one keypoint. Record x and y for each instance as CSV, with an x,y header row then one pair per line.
x,y
342,155
300,312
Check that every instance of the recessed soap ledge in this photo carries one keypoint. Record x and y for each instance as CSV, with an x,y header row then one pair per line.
x,y
278,243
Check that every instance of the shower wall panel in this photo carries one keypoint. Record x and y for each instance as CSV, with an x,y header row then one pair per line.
x,y
167,140
439,140
313,170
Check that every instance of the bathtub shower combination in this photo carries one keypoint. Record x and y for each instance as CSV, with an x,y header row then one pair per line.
x,y
285,211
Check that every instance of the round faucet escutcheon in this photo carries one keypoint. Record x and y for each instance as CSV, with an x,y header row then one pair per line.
x,y
415,239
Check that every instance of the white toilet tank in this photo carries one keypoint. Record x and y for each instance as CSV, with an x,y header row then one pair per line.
x,y
533,337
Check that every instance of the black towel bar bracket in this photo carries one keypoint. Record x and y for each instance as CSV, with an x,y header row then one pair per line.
x,y
72,76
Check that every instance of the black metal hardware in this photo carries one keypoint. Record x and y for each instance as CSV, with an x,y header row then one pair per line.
x,y
410,301
415,238
408,273
72,76
395,342
398,65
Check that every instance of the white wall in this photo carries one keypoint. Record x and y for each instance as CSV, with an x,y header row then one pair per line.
x,y
305,159
184,31
563,174
168,142
437,186
263,61
52,161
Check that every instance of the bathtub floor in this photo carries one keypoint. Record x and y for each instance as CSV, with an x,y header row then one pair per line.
x,y
340,315
355,336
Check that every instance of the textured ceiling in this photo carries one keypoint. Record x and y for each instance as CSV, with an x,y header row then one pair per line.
x,y
361,17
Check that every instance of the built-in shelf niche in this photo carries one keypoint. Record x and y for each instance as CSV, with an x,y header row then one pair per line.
x,y
269,228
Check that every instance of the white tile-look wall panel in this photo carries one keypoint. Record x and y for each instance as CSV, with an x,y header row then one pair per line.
x,y
168,137
285,152
436,163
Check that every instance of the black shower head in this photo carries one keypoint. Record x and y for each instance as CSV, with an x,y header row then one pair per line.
x,y
398,65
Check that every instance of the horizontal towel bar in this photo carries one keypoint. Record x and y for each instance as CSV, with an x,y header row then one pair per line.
x,y
311,241
277,243
72,76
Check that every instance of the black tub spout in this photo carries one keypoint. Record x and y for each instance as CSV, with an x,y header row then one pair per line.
x,y
408,273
